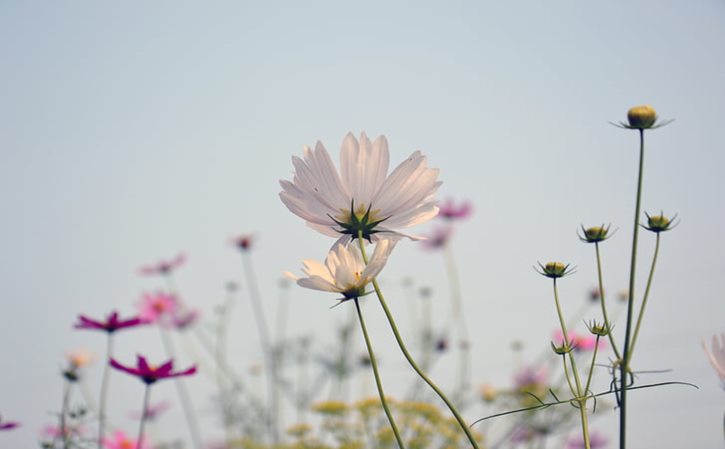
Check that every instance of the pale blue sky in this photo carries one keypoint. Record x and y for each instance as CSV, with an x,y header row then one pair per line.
x,y
131,131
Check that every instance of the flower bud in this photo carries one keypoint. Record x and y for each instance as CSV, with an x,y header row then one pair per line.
x,y
488,393
563,349
659,223
594,234
641,117
554,269
598,329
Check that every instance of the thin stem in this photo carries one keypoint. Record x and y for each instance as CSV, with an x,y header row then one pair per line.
x,y
266,343
579,393
464,364
409,358
646,295
607,323
378,382
64,433
568,377
183,394
104,390
591,368
146,397
624,365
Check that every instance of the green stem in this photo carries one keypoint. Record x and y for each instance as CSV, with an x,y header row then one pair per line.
x,y
591,368
624,365
579,393
104,391
146,397
585,424
568,377
378,382
607,323
646,295
409,358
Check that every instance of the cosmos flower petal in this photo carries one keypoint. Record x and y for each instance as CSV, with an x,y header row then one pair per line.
x,y
317,283
364,165
380,257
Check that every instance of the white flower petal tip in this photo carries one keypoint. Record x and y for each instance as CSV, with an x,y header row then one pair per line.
x,y
344,270
362,199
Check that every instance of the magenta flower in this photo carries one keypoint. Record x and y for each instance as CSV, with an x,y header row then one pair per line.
x,y
596,441
449,210
438,238
149,373
156,306
119,440
112,323
8,425
163,267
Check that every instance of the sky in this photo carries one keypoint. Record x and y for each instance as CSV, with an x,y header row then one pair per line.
x,y
130,132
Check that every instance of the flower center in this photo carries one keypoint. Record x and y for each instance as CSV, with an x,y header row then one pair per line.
x,y
127,444
358,221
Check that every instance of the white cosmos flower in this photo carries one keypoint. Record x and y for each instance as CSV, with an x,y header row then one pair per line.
x,y
717,355
344,270
382,202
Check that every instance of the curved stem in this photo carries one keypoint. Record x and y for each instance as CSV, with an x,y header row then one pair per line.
x,y
624,365
104,391
146,396
378,382
409,358
646,295
607,323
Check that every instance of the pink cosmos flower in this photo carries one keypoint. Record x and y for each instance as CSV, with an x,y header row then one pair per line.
x,y
8,425
111,324
52,431
596,441
149,373
163,267
119,440
449,210
438,238
157,306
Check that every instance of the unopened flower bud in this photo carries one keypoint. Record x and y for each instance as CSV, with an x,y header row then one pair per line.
x,y
488,393
599,329
594,234
642,117
563,349
659,223
554,269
